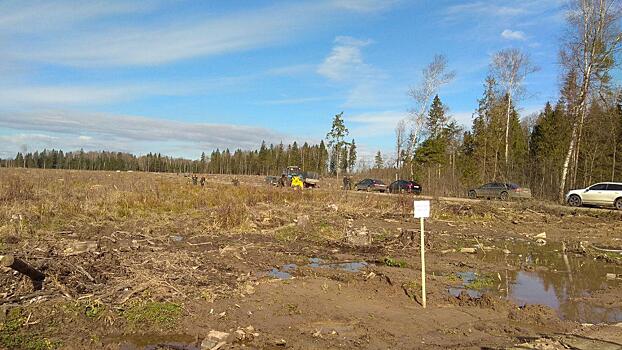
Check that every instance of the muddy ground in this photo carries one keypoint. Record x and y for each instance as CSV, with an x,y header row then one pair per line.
x,y
149,261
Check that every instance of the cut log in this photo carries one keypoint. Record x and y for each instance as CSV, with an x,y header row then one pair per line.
x,y
22,267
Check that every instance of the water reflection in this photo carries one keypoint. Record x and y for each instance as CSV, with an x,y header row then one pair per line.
x,y
549,276
284,273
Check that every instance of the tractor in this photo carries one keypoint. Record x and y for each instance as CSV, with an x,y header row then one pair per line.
x,y
292,176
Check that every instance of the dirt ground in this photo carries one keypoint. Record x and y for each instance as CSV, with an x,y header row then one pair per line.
x,y
150,261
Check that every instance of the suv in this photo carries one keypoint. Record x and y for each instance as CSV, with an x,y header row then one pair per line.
x,y
603,194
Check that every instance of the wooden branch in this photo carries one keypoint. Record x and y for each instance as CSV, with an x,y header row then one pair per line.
x,y
22,267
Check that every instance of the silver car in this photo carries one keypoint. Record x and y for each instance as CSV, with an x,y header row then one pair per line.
x,y
602,194
503,191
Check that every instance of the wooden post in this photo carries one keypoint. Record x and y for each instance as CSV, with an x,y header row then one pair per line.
x,y
421,210
22,267
423,294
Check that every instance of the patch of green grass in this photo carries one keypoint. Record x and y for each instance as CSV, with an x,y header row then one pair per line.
x,y
12,336
94,308
481,282
149,313
395,262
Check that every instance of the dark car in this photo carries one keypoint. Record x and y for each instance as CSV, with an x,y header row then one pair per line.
x,y
501,190
370,185
404,186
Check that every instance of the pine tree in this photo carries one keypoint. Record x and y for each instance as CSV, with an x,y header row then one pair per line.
x,y
336,137
352,156
437,120
378,162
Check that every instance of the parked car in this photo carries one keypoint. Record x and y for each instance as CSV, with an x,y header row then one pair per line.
x,y
370,185
602,194
404,186
501,190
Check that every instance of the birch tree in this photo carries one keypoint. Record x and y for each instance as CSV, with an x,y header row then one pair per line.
x,y
434,75
589,49
510,67
400,136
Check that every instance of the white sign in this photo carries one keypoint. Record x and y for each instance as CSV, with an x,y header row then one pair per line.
x,y
422,209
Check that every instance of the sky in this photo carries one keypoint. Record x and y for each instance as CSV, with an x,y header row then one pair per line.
x,y
183,77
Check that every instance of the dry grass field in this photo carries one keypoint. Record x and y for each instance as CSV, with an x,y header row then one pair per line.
x,y
150,261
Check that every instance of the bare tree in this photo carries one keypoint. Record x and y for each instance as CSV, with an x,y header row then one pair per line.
x,y
510,67
24,149
589,50
434,75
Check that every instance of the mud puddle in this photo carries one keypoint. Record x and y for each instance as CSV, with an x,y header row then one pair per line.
x,y
285,271
548,275
155,342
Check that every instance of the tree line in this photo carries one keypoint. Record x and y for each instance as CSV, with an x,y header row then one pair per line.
x,y
268,159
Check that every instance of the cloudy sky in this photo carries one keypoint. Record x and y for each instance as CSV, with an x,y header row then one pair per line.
x,y
181,77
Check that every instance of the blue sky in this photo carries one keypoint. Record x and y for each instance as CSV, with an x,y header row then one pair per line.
x,y
181,77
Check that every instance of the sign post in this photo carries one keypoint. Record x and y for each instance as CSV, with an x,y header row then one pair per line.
x,y
421,211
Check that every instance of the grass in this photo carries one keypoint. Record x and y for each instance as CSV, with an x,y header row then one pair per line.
x,y
14,336
395,262
94,309
481,282
153,314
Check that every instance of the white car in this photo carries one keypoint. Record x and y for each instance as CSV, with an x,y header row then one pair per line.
x,y
603,194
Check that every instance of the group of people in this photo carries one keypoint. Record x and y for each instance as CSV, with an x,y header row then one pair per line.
x,y
195,180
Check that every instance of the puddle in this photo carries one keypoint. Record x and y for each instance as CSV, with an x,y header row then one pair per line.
x,y
549,277
155,342
284,272
543,288
467,278
354,266
280,274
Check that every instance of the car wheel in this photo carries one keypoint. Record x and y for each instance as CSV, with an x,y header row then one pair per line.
x,y
504,196
618,203
472,194
574,201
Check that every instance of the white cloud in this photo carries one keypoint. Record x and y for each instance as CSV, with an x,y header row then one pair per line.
x,y
346,68
486,8
513,35
152,42
66,95
68,130
296,100
345,62
364,5
79,95
23,16
464,118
